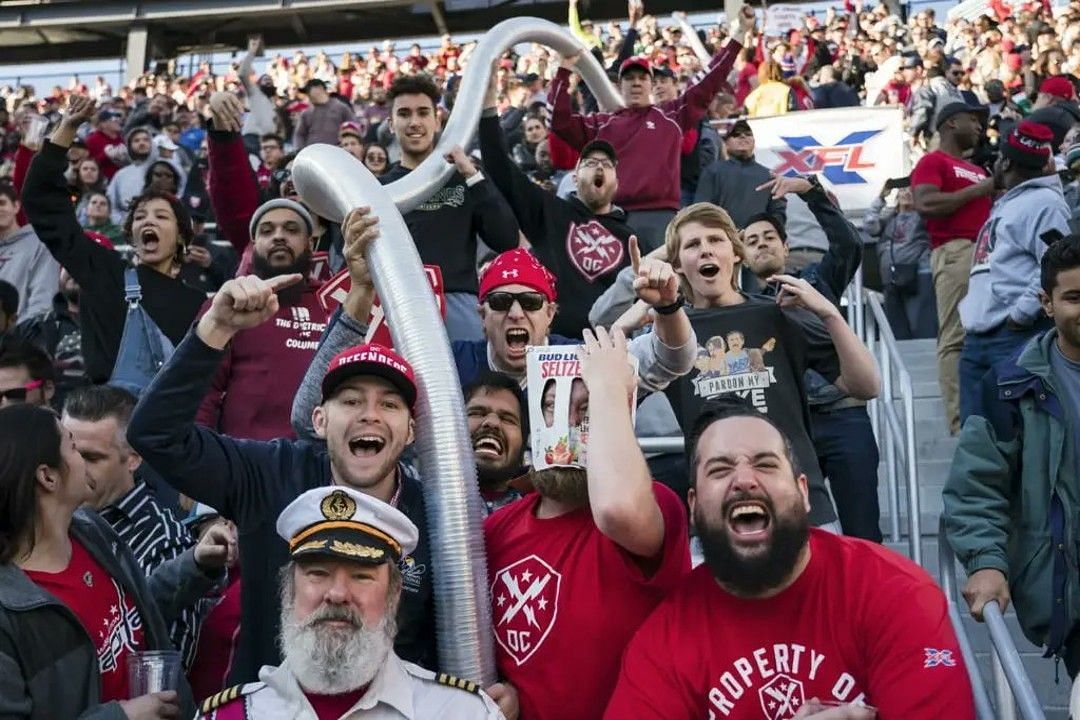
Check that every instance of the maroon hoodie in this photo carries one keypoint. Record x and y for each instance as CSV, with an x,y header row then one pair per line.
x,y
252,393
649,140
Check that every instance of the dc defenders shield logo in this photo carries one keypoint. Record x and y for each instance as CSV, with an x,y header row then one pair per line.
x,y
525,601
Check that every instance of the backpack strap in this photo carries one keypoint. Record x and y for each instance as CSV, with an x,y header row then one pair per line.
x,y
132,290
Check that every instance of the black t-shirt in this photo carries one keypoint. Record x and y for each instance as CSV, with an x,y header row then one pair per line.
x,y
758,351
446,225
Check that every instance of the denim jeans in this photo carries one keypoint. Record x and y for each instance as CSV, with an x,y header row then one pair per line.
x,y
981,352
848,455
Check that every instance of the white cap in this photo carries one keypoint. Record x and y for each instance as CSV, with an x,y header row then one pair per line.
x,y
342,522
164,142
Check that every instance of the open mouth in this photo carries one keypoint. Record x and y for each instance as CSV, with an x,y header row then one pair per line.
x,y
749,519
709,270
517,339
488,446
149,238
598,181
366,445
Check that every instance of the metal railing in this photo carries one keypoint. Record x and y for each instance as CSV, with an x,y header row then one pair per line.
x,y
1012,686
892,417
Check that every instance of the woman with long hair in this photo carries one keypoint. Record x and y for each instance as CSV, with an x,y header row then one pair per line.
x,y
88,180
772,96
157,227
74,605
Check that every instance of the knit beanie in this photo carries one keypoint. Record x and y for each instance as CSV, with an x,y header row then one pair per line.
x,y
1028,145
281,203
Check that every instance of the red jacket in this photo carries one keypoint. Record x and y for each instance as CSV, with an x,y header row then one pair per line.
x,y
232,187
648,140
96,142
252,394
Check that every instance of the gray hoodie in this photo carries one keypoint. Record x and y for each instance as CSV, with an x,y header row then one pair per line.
x,y
128,182
27,264
1004,282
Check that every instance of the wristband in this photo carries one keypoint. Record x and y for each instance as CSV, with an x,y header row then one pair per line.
x,y
672,308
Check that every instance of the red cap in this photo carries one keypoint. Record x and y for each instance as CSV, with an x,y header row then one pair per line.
x,y
100,239
1058,86
518,267
371,359
1014,61
639,61
350,127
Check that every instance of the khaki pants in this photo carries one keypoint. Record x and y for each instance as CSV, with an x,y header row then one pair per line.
x,y
950,264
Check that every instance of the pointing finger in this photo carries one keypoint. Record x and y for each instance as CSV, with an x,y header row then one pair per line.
x,y
280,282
635,254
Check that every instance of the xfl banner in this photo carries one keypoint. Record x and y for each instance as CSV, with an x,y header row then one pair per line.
x,y
853,151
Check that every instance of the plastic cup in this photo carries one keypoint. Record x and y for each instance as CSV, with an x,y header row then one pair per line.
x,y
153,671
34,134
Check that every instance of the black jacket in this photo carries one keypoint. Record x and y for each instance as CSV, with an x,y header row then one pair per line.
x,y
48,665
731,184
584,250
99,271
250,482
445,227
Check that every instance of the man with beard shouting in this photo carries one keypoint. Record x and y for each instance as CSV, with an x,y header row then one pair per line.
x,y
577,566
494,410
277,351
782,616
339,597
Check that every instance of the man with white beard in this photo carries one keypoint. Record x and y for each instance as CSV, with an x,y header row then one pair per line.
x,y
339,597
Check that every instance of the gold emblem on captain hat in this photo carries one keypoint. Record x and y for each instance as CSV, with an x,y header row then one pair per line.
x,y
338,506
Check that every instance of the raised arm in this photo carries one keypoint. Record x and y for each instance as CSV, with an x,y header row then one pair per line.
x,y
690,107
260,118
202,464
232,187
842,259
47,203
575,129
621,496
858,375
347,326
526,198
492,218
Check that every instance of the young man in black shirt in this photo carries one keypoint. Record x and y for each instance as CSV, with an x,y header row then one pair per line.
x,y
583,240
446,226
759,347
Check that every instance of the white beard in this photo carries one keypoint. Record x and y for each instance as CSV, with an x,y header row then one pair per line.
x,y
331,660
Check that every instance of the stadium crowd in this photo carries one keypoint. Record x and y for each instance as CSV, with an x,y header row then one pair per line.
x,y
206,435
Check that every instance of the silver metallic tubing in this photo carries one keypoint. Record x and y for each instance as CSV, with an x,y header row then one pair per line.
x,y
417,186
332,182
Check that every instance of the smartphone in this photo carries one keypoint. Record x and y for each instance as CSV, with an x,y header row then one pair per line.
x,y
260,51
897,183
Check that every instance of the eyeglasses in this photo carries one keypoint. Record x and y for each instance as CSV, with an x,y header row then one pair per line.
x,y
503,301
281,175
739,134
593,163
374,157
19,394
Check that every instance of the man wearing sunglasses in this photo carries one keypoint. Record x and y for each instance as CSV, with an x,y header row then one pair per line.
x,y
582,239
26,374
732,183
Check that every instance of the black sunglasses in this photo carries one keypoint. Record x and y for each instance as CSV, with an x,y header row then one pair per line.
x,y
281,175
503,301
19,394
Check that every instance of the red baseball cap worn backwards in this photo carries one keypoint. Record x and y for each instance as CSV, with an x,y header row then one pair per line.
x,y
370,360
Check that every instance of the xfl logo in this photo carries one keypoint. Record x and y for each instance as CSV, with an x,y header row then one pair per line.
x,y
839,163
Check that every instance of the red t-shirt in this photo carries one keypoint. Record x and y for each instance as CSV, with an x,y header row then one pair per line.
x,y
566,600
106,612
949,174
333,707
742,83
860,623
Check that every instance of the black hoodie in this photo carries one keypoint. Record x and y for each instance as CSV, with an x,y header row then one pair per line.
x,y
583,249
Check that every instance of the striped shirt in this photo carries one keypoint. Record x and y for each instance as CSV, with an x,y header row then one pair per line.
x,y
154,536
